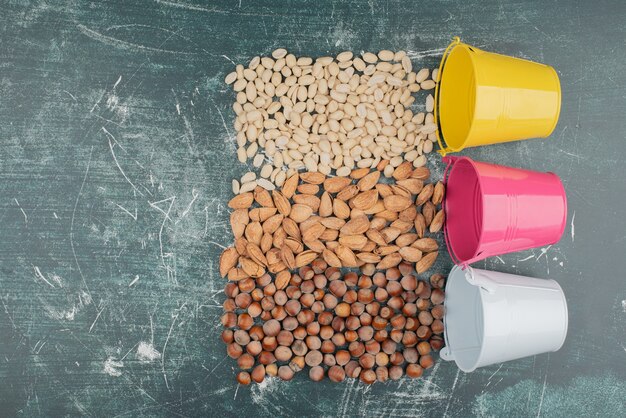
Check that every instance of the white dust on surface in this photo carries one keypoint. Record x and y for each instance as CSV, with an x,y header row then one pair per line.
x,y
147,353
112,367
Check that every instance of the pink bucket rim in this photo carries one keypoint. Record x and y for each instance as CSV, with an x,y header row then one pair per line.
x,y
451,160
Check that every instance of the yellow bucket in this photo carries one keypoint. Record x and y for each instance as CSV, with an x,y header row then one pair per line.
x,y
484,98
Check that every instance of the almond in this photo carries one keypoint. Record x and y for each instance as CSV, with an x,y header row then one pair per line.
x,y
390,234
336,184
384,190
282,279
300,213
315,245
276,267
405,240
306,188
326,205
420,225
378,223
251,268
369,181
296,246
305,258
290,185
382,164
262,214
354,213
358,173
421,173
368,257
410,254
287,257
347,257
365,200
254,214
341,209
281,202
412,185
266,242
426,262
228,260
242,201
262,197
369,247
438,193
354,242
309,222
403,171
386,249
235,274
356,226
388,215
255,253
332,245
425,194
397,203
425,245
408,214
278,238
272,223
313,232
347,193
307,199
428,210
376,236
273,256
389,261
332,222
329,235
402,226
400,190
437,222
238,220
331,258
313,177
254,232
265,213
291,228
379,206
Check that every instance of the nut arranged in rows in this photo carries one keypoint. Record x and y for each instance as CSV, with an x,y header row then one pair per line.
x,y
373,327
349,221
331,113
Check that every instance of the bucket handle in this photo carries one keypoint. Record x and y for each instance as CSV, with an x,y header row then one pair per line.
x,y
481,282
442,150
446,354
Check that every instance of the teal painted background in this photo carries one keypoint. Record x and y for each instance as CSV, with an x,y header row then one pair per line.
x,y
115,168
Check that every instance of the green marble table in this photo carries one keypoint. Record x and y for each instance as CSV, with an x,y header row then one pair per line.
x,y
115,169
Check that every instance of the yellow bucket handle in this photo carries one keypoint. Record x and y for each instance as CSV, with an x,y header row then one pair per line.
x,y
442,150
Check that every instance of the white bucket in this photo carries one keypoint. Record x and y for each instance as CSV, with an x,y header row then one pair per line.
x,y
493,317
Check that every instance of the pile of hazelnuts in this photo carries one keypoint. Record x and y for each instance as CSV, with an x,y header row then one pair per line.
x,y
374,326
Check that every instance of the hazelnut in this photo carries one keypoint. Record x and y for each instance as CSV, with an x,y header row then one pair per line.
x,y
336,373
243,378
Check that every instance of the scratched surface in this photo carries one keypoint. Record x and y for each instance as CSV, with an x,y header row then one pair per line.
x,y
117,156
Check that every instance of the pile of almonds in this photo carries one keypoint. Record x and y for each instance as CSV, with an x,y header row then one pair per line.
x,y
373,328
331,113
371,225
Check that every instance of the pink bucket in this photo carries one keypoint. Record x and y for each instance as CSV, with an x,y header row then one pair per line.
x,y
492,209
